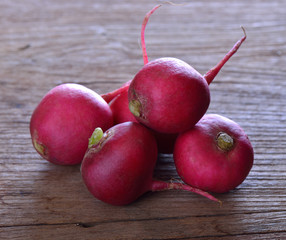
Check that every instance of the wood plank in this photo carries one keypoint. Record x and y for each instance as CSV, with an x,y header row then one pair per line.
x,y
174,228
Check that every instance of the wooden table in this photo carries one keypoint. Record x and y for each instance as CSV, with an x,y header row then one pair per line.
x,y
96,43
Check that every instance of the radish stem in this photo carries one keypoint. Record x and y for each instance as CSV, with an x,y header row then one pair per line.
x,y
224,142
135,107
95,137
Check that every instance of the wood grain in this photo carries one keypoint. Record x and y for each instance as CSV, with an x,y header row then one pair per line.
x,y
96,43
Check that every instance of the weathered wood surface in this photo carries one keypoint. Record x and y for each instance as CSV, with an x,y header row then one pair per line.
x,y
96,43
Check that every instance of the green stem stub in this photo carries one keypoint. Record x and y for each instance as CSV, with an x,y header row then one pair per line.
x,y
95,137
41,149
135,107
224,141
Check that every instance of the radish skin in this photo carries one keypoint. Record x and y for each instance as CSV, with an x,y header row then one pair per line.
x,y
120,110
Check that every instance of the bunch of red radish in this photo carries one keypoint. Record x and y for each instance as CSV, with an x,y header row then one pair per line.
x,y
116,137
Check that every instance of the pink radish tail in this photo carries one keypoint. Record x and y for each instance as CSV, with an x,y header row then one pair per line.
x,y
161,186
145,21
111,95
211,74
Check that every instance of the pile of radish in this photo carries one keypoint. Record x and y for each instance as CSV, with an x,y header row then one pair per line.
x,y
117,136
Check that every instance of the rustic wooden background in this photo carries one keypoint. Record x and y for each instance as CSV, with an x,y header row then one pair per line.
x,y
96,43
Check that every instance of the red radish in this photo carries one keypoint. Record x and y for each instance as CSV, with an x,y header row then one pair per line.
x,y
119,108
118,167
121,113
216,155
167,94
165,141
64,120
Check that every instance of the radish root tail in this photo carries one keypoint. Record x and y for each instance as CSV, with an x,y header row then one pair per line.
x,y
174,4
162,186
211,74
145,21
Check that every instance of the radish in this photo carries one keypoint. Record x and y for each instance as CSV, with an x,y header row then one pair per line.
x,y
216,155
165,141
119,108
167,94
121,113
118,166
64,120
